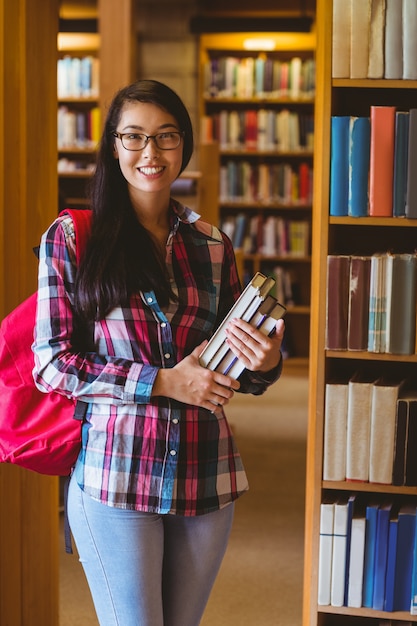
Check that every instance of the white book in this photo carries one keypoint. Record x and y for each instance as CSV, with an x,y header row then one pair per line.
x,y
410,39
356,561
359,41
382,431
325,553
335,426
393,39
376,39
341,38
358,428
339,552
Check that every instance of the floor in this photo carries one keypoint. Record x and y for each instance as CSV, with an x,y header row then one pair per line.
x,y
260,582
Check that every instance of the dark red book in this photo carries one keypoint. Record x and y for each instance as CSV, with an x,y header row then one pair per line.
x,y
337,309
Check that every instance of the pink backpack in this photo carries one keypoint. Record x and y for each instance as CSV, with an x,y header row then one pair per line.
x,y
37,430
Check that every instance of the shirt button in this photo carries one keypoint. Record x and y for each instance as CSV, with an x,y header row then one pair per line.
x,y
163,324
173,452
175,420
150,299
167,355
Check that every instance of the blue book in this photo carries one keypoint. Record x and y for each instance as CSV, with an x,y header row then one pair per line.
x,y
404,561
399,191
369,564
413,607
339,165
381,555
359,155
391,562
350,511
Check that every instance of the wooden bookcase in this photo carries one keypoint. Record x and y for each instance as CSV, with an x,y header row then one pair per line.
x,y
78,118
344,235
115,30
263,160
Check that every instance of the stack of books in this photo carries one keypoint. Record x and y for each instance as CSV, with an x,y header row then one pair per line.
x,y
254,306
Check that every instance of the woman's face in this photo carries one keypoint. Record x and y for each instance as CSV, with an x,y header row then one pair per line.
x,y
150,170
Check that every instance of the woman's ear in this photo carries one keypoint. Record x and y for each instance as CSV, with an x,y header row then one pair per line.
x,y
115,152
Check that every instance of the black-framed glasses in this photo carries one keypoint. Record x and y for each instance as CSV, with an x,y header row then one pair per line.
x,y
168,140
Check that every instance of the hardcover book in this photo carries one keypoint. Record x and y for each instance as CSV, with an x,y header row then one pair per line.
x,y
335,423
359,40
411,201
381,166
341,39
376,39
399,193
359,291
393,39
339,165
325,552
337,302
358,162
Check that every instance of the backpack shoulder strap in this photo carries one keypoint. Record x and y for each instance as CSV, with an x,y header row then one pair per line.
x,y
82,228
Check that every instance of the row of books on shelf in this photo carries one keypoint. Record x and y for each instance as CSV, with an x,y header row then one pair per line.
x,y
367,553
370,431
266,183
259,77
78,129
78,77
268,235
373,164
263,130
375,39
371,303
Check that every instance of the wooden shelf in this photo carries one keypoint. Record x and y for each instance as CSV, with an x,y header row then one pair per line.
x,y
368,83
371,613
344,236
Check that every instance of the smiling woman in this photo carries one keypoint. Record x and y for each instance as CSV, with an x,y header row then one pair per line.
x,y
159,470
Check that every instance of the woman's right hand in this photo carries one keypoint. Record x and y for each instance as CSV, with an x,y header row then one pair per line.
x,y
191,383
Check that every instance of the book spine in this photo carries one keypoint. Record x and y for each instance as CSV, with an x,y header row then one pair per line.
x,y
334,453
359,293
399,194
339,165
325,553
411,201
341,39
359,42
359,154
409,40
393,39
376,39
381,166
337,302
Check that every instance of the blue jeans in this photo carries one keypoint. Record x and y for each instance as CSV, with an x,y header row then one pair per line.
x,y
146,569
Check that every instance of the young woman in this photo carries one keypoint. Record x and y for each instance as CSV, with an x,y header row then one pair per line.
x,y
151,496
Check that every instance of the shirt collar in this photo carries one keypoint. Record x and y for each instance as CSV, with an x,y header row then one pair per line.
x,y
181,213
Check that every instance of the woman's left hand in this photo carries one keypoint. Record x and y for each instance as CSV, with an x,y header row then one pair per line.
x,y
258,352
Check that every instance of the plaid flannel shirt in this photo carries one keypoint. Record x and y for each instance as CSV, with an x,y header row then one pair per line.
x,y
141,452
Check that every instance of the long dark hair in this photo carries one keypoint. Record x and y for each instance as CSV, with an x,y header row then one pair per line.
x,y
121,258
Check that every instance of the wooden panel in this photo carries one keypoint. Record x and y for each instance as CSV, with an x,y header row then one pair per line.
x,y
118,48
28,188
318,307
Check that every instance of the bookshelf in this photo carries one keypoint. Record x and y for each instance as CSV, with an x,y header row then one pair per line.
x,y
348,236
264,127
78,113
